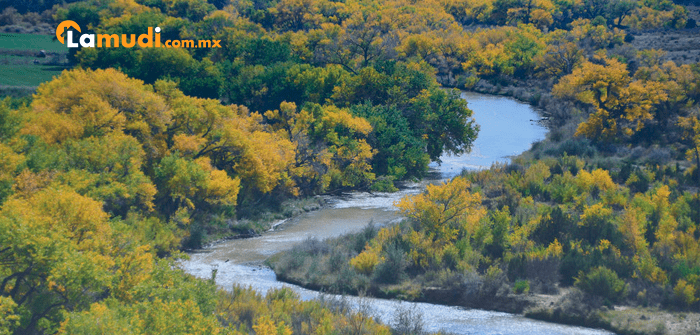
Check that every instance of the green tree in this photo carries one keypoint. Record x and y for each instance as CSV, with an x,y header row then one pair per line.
x,y
603,282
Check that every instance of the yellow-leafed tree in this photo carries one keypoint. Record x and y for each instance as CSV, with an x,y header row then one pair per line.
x,y
620,103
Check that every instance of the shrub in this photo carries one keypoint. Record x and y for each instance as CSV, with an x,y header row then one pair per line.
x,y
393,267
494,283
639,181
407,320
521,287
603,282
347,280
472,284
336,260
684,293
543,273
312,246
365,262
574,147
384,184
367,234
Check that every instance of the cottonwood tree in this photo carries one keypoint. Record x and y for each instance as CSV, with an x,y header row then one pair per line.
x,y
620,103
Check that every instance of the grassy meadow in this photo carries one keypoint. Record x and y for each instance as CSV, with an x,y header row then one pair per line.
x,y
21,68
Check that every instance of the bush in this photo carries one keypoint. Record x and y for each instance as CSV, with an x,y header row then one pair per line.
x,y
367,234
574,147
196,238
602,282
336,260
684,293
407,320
312,246
544,273
521,287
384,184
365,262
392,269
495,283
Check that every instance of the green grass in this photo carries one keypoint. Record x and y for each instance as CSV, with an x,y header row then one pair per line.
x,y
14,59
31,42
21,70
27,75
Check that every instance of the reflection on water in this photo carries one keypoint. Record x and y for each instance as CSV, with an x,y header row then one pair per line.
x,y
506,130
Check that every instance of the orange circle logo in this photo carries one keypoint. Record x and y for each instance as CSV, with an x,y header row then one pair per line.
x,y
62,28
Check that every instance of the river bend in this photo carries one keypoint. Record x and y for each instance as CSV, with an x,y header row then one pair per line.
x,y
508,128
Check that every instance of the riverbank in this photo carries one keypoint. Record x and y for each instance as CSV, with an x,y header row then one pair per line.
x,y
533,203
624,320
509,185
259,221
255,225
321,266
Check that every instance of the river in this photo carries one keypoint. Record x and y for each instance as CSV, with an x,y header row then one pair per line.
x,y
508,128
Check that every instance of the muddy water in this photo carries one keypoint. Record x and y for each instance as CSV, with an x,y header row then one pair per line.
x,y
506,129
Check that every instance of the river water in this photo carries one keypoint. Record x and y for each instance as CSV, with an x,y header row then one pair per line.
x,y
508,128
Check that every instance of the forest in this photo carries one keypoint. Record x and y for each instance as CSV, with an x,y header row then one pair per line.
x,y
131,156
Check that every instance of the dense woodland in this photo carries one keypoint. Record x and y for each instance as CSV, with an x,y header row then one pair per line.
x,y
116,165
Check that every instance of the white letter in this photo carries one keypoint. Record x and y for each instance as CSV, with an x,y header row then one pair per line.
x,y
84,44
69,40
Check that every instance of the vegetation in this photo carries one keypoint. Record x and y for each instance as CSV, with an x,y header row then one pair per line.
x,y
30,41
605,205
100,175
21,69
115,165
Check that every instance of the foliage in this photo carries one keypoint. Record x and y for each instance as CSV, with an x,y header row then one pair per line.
x,y
105,170
443,215
521,287
691,126
603,282
539,224
620,103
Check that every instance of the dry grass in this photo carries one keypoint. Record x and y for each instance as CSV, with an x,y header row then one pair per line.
x,y
681,46
652,321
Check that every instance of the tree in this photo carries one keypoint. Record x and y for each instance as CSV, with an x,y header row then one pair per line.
x,y
443,118
109,169
619,9
194,184
331,146
357,43
194,10
691,132
83,103
9,163
55,253
537,12
559,59
296,14
619,102
441,215
400,152
233,139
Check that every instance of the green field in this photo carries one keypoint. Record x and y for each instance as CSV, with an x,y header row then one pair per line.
x,y
31,42
27,75
20,70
